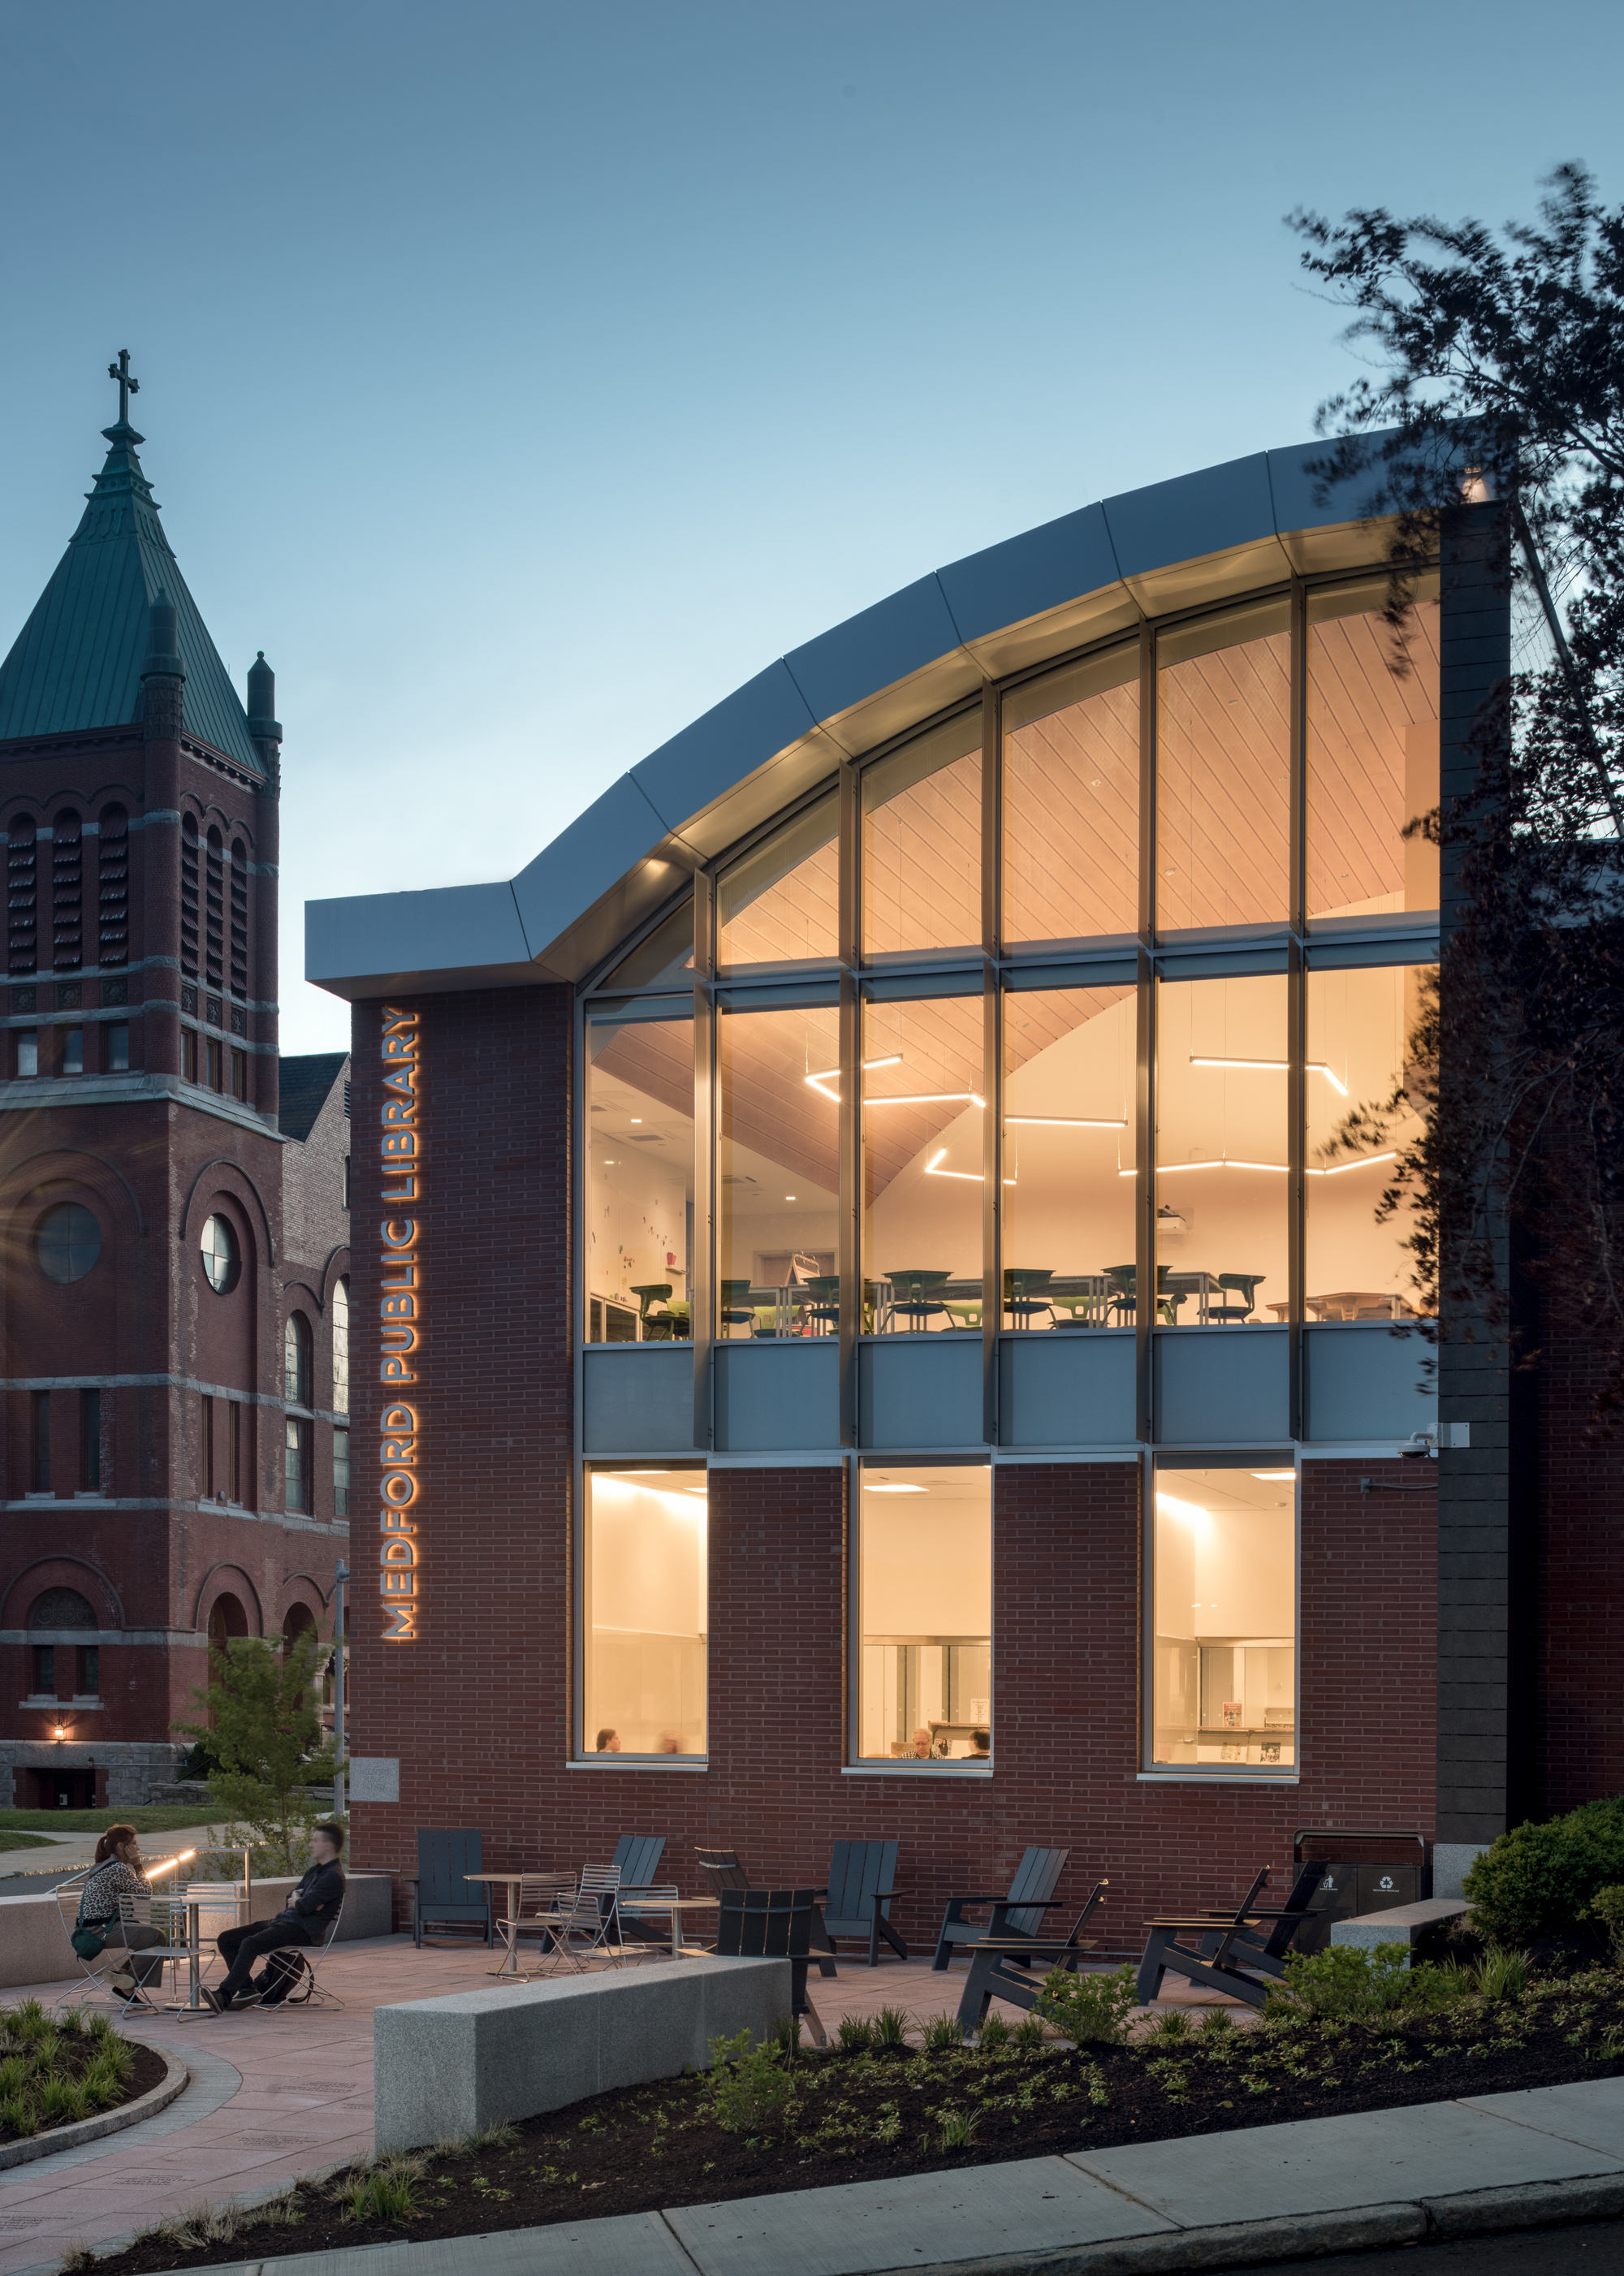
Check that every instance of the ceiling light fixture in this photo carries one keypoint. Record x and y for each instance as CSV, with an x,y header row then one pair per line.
x,y
1068,1121
1275,1066
827,1074
1275,1476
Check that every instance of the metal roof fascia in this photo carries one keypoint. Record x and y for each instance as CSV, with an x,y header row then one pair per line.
x,y
724,746
449,936
843,668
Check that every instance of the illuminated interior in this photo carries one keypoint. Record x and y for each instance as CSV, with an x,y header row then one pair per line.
x,y
1224,1587
925,1597
646,1615
638,1233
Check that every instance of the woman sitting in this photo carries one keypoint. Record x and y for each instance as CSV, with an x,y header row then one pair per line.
x,y
115,1872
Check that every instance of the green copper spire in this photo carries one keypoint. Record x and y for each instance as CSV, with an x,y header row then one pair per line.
x,y
77,662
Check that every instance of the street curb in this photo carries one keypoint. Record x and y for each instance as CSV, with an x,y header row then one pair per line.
x,y
176,2077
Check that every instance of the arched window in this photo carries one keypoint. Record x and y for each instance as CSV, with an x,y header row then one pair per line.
x,y
23,883
214,912
189,949
341,1346
226,1619
240,918
296,1360
63,1608
68,894
113,888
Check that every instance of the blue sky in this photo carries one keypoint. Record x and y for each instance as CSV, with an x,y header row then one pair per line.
x,y
523,378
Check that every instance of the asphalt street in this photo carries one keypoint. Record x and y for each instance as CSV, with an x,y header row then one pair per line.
x,y
1592,2249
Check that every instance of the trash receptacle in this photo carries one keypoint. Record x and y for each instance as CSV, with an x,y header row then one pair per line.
x,y
1366,1870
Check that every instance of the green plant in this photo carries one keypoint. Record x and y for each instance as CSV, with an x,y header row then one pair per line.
x,y
13,2075
943,2032
1215,2022
99,2027
749,2089
102,2085
18,2115
1090,2009
1607,1906
1172,2024
891,2027
1028,2032
70,2022
1346,1980
62,2101
28,2021
994,2032
959,2128
786,2037
388,2192
1543,1880
266,1732
1502,1973
855,2034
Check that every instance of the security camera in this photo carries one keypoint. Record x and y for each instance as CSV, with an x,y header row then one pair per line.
x,y
1421,1447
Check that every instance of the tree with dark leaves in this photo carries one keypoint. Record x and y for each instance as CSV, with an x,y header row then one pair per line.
x,y
1495,415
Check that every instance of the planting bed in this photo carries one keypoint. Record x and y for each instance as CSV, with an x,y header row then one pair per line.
x,y
891,2109
56,2070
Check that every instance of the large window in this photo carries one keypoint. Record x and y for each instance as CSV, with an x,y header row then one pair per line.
x,y
1222,1187
1372,752
1071,803
777,1163
646,1614
922,845
781,904
1069,1098
1223,810
638,1234
923,1129
1366,1095
1224,1587
925,1613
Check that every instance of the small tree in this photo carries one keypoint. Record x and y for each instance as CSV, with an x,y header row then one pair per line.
x,y
261,1716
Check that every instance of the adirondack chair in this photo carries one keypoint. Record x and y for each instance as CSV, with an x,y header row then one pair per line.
x,y
1232,1951
445,1898
857,1902
1276,1932
637,1860
1002,1967
1020,1913
772,1924
723,1871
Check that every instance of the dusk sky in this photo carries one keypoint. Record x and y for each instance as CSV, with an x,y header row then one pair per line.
x,y
522,378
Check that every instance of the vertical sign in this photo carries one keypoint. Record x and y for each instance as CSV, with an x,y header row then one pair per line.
x,y
401,1330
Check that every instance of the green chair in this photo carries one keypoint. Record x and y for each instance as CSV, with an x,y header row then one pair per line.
x,y
914,1294
1026,1294
1245,1286
1123,1281
1168,1300
657,1329
735,1308
821,1312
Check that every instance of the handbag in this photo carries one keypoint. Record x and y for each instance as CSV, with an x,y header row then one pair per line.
x,y
87,1943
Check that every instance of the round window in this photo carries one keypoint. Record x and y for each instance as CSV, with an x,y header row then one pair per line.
x,y
219,1247
69,1242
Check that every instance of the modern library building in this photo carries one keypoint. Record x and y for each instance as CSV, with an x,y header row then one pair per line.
x,y
884,1215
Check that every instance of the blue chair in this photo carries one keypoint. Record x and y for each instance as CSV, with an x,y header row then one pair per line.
x,y
443,1897
1017,1914
915,1296
857,1901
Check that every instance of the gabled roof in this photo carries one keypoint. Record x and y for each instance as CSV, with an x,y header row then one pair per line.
x,y
303,1086
77,661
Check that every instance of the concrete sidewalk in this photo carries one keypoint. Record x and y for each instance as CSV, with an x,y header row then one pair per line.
x,y
1319,2185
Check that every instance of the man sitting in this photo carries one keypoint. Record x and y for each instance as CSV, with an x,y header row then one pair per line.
x,y
304,1921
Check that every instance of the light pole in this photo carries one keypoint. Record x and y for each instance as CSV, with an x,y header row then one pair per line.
x,y
341,1574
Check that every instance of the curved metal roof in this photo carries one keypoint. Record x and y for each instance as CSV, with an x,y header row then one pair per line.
x,y
1206,536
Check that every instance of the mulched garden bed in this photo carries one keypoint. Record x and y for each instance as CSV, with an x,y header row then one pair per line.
x,y
883,2113
56,2070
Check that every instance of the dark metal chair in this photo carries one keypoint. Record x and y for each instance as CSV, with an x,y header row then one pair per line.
x,y
1002,1968
443,1897
1243,1284
1123,1282
772,1924
857,1902
1019,1913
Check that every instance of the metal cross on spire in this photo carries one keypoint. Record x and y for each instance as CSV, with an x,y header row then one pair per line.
x,y
128,385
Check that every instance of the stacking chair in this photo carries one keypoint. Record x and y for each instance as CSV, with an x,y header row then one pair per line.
x,y
656,1327
1243,1296
445,1898
1026,1294
1232,1951
917,1296
821,1312
1122,1280
587,1926
1002,1967
857,1902
1019,1913
167,1915
96,1986
735,1308
539,1903
302,1962
772,1924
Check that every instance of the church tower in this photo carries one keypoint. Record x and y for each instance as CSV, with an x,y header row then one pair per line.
x,y
174,1466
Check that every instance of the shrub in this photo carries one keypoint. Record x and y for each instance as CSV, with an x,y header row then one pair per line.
x,y
1091,2009
1346,1981
63,2101
1542,1880
786,2035
891,2027
1607,1906
749,2091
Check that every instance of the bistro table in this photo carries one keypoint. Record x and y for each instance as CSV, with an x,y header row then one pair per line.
x,y
631,1901
510,1882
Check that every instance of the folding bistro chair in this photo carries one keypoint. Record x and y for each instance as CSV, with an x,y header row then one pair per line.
x,y
1228,1944
772,1924
588,1926
96,1986
540,1903
1002,1967
300,1962
1020,1913
167,1915
858,1898
445,1898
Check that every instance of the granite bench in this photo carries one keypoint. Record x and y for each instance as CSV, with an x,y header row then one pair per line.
x,y
1418,1925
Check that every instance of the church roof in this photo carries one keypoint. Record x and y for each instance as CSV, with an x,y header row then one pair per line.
x,y
305,1084
77,661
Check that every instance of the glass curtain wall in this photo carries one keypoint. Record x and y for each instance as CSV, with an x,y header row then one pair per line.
x,y
922,845
1224,1590
1070,1057
1222,1186
1372,752
1368,1084
1071,803
781,904
646,1614
638,1233
922,1136
1223,739
779,1171
924,1585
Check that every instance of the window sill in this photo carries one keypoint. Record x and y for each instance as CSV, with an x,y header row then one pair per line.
x,y
640,1763
917,1770
1221,1774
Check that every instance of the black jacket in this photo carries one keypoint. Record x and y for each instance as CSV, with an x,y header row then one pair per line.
x,y
315,1901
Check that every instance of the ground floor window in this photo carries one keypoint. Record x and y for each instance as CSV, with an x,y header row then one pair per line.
x,y
1224,1593
646,1614
924,1589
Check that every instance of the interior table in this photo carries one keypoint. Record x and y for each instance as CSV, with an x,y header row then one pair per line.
x,y
1358,1304
1203,1286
